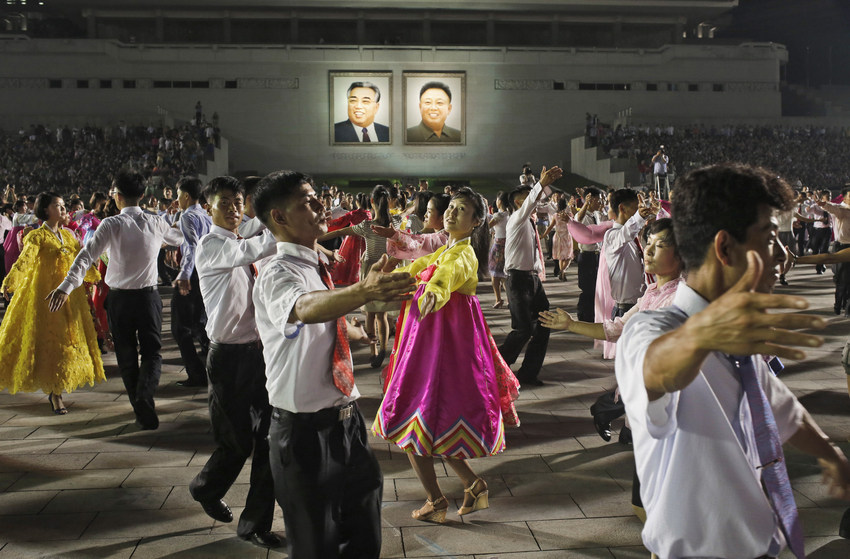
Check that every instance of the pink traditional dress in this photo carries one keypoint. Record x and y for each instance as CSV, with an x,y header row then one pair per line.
x,y
351,249
653,298
603,302
562,242
410,246
449,392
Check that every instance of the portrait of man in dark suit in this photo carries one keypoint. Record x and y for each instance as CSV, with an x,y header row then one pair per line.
x,y
364,100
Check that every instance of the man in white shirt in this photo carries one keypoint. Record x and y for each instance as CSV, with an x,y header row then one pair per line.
x,y
238,401
707,415
587,260
326,478
188,315
841,226
622,251
131,240
525,290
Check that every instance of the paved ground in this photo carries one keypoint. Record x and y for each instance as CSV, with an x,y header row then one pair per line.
x,y
90,484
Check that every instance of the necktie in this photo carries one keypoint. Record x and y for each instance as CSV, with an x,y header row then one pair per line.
x,y
774,473
251,267
366,137
341,366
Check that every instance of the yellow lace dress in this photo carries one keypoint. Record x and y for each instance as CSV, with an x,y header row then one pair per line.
x,y
40,350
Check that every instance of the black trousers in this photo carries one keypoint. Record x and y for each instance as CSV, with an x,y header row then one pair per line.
x,y
802,235
240,415
842,282
188,320
328,483
528,299
588,266
135,319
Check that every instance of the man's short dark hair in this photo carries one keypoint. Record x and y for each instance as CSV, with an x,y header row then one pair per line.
x,y
43,200
250,185
369,85
845,190
622,196
592,191
436,85
516,192
191,186
274,190
223,184
130,184
19,205
724,197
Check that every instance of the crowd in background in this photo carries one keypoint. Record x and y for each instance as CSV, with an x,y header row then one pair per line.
x,y
84,160
801,155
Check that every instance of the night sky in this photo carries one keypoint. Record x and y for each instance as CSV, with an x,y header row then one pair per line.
x,y
816,32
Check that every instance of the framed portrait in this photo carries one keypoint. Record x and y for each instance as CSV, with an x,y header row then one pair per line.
x,y
360,108
434,107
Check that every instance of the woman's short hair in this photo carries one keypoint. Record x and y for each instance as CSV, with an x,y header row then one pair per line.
x,y
43,200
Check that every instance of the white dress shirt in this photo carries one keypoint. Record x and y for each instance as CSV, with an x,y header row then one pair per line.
x,y
625,260
195,222
840,221
224,269
695,449
590,218
499,225
298,356
520,240
131,240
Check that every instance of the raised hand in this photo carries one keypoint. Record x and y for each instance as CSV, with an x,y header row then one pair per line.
x,y
382,286
386,232
557,319
548,176
738,323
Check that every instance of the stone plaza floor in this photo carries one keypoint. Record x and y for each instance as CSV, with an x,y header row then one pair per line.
x,y
91,485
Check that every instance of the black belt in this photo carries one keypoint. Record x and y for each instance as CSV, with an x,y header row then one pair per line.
x,y
325,416
150,289
624,305
589,251
250,345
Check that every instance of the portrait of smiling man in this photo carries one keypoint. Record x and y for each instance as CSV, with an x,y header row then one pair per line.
x,y
363,100
435,106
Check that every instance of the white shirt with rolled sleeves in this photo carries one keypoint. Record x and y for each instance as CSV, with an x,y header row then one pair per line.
x,y
520,249
223,262
625,261
298,356
841,221
131,240
695,449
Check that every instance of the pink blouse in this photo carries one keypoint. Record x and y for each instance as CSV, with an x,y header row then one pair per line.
x,y
654,298
407,246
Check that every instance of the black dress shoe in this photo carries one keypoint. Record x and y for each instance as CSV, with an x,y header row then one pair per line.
x,y
218,510
602,427
263,539
192,383
844,527
625,436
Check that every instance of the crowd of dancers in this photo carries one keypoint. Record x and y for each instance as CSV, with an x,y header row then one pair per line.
x,y
267,270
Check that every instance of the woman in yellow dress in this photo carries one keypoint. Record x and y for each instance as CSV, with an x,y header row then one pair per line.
x,y
40,350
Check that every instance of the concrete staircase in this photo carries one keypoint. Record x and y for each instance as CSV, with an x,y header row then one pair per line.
x,y
594,164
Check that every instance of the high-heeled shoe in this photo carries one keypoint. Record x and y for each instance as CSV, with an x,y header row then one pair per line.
x,y
433,511
58,411
473,501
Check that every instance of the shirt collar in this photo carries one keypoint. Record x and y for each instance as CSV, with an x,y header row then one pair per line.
x,y
132,210
298,251
221,231
689,301
466,240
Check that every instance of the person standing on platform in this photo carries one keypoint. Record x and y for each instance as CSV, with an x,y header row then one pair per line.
x,y
525,289
134,307
326,478
188,316
238,401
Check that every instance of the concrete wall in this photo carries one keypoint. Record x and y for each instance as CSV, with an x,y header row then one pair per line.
x,y
278,116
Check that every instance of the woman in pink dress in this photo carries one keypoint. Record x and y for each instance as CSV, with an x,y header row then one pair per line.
x,y
450,393
351,250
562,243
